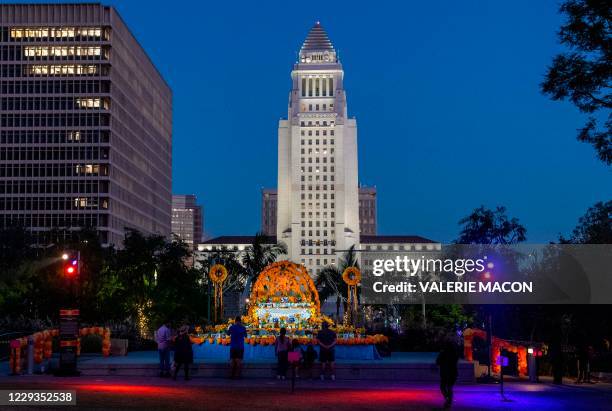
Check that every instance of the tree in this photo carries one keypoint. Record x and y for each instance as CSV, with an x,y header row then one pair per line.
x,y
329,281
258,256
595,227
583,74
484,226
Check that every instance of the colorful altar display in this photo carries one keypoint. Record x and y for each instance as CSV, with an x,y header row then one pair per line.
x,y
497,345
284,295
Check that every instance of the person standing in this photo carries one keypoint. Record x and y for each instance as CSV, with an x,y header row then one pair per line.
x,y
183,353
327,356
309,355
447,361
281,349
163,337
237,333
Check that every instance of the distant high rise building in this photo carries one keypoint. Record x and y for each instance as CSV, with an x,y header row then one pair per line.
x,y
187,218
85,124
318,205
367,210
269,199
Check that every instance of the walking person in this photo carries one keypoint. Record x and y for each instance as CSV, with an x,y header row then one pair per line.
x,y
183,353
163,337
282,345
237,333
327,356
447,361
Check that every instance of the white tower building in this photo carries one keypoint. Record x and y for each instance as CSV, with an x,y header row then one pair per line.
x,y
318,195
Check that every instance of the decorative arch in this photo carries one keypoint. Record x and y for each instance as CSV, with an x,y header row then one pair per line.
x,y
284,280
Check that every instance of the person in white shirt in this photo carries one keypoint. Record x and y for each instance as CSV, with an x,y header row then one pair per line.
x,y
163,337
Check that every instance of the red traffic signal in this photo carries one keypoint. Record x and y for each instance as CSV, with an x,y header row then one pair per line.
x,y
70,265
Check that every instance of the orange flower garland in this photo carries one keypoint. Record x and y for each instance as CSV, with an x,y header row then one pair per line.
x,y
218,273
351,276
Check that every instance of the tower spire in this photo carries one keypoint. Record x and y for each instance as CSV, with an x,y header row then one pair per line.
x,y
317,46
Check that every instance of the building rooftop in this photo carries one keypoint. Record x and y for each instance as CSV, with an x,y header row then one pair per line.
x,y
317,40
387,239
237,239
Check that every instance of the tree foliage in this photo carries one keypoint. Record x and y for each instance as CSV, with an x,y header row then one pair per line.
x,y
485,226
583,74
148,276
595,227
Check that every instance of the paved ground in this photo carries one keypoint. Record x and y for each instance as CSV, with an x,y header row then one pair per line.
x,y
114,393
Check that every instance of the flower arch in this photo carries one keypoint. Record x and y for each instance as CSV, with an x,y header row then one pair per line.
x,y
284,280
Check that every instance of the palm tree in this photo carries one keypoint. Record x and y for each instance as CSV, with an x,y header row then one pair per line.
x,y
329,281
258,256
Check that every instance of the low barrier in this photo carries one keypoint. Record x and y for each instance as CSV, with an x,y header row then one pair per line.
x,y
42,342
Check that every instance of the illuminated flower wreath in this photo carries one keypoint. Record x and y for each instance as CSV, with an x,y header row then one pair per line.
x,y
218,273
351,276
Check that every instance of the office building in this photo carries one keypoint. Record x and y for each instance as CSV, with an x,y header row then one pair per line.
x,y
85,124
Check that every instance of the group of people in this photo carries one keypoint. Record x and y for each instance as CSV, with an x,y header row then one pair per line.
x,y
282,347
180,344
183,353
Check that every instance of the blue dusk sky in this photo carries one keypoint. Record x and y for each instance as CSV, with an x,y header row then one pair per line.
x,y
446,96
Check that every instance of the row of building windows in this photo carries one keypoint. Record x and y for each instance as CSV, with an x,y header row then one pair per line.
x,y
317,251
29,53
53,203
318,223
317,205
317,215
54,33
309,187
317,151
317,107
317,178
316,123
54,170
317,169
317,160
53,153
54,103
317,196
318,243
400,247
54,136
53,187
53,86
54,220
317,87
36,70
55,120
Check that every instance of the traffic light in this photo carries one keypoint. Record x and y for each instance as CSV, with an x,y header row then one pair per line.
x,y
71,264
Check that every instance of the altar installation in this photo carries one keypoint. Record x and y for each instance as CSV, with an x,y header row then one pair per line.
x,y
284,296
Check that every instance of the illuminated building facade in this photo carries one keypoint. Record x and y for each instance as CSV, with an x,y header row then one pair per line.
x,y
85,124
317,160
187,218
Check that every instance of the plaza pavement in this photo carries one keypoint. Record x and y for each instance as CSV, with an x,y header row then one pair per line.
x,y
116,393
